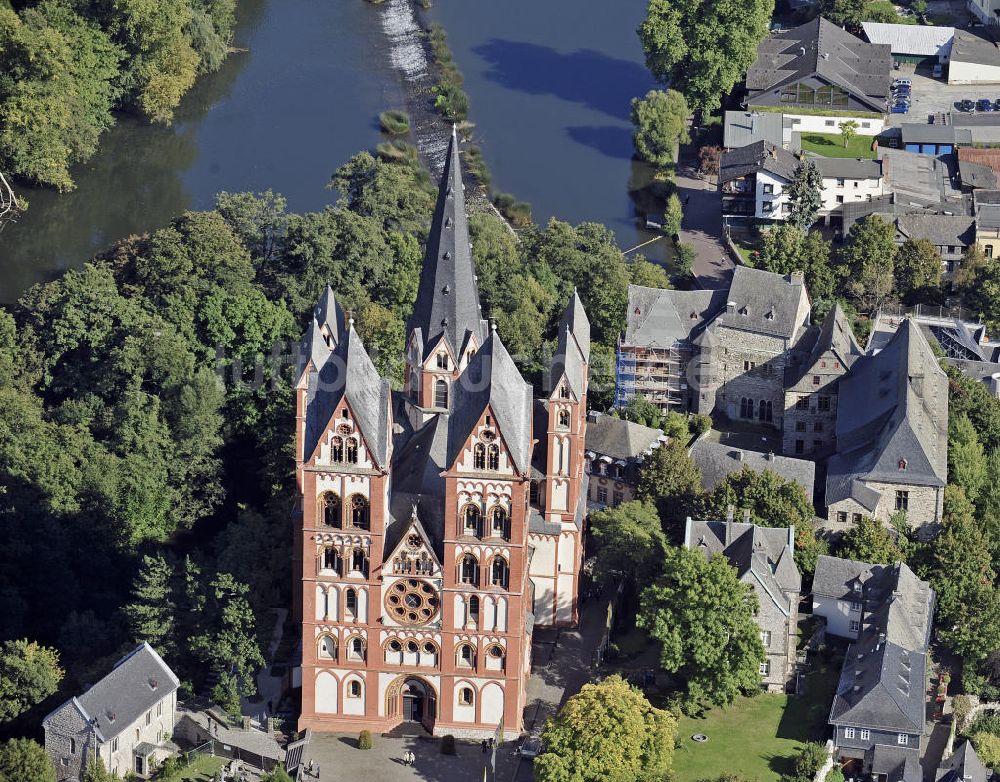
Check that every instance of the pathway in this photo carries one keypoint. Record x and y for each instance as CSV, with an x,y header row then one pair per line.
x,y
702,226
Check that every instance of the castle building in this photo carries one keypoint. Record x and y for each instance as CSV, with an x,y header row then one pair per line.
x,y
441,524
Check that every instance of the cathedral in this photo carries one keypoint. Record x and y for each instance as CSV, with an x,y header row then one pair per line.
x,y
440,524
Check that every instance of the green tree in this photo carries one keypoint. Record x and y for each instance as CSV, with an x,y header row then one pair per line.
x,y
29,673
870,541
648,274
673,215
982,294
785,249
670,480
96,771
773,501
607,732
24,759
151,614
703,616
809,760
703,49
278,775
966,457
918,270
848,130
844,12
805,195
631,541
868,262
661,123
640,410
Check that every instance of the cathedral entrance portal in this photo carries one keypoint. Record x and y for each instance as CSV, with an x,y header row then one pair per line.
x,y
413,700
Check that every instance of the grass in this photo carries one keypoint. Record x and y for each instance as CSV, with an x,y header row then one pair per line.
x,y
756,737
832,145
204,767
395,123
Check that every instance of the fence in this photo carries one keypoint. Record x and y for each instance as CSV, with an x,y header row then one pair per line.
x,y
929,312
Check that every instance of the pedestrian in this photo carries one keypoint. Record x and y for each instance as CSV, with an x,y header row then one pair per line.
x,y
482,745
413,758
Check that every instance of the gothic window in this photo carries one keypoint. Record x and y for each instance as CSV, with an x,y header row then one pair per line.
x,y
395,646
354,687
359,511
331,559
563,392
359,561
493,457
474,609
479,457
564,419
498,523
337,449
352,451
442,360
466,656
440,394
468,570
499,572
330,508
327,648
764,410
473,520
746,408
466,697
533,492
351,601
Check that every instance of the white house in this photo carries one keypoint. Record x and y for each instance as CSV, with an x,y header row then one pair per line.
x,y
125,719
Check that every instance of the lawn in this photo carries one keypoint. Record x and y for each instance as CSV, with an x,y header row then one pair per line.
x,y
832,145
756,737
204,768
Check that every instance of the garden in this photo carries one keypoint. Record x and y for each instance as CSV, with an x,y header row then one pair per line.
x,y
832,145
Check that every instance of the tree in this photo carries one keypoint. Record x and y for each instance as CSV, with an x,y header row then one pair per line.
x,y
29,673
709,158
918,270
966,457
868,262
703,49
786,249
639,410
661,123
673,216
805,195
982,293
973,259
96,771
703,616
869,541
670,480
848,130
648,274
607,732
24,759
809,760
773,501
631,541
844,12
278,775
151,613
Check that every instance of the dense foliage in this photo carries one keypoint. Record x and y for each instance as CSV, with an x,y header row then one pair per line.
x,y
24,759
29,673
660,121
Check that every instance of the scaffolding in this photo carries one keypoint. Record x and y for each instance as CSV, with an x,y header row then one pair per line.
x,y
658,374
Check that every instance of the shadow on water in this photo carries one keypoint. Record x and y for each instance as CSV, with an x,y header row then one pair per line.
x,y
610,140
589,78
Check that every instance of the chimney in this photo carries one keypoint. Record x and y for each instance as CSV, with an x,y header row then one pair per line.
x,y
746,515
730,307
730,510
797,278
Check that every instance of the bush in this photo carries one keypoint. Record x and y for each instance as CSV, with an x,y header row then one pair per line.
x,y
810,760
835,775
448,745
518,212
961,705
451,101
397,151
699,424
365,739
685,259
476,165
395,123
987,747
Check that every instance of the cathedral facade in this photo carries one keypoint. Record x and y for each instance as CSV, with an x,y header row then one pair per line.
x,y
442,523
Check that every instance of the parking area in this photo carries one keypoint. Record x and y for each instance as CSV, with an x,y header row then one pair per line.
x,y
935,96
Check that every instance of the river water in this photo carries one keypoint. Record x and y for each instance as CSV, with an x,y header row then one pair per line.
x,y
550,83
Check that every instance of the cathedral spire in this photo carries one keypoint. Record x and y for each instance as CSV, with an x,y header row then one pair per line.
x,y
448,297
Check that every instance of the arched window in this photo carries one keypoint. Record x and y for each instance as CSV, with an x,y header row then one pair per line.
x,y
564,392
499,572
468,570
352,451
479,456
331,559
440,394
336,449
354,688
564,419
359,561
327,648
466,697
746,408
496,657
498,522
359,511
351,601
412,647
472,520
466,656
442,360
764,410
395,645
330,508
356,649
493,457
474,609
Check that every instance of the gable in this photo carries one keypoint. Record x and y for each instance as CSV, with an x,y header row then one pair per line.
x,y
334,446
485,450
414,553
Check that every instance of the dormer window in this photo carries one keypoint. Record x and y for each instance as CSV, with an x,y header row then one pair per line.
x,y
744,311
902,464
769,315
153,684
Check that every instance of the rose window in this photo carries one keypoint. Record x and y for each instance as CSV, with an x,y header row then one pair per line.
x,y
411,601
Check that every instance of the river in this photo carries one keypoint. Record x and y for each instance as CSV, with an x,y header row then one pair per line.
x,y
549,84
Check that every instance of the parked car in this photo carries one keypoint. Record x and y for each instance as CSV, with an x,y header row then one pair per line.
x,y
938,71
902,82
966,105
984,104
900,108
532,746
996,105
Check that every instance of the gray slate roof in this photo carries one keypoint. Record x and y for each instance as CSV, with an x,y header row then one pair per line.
x,y
659,318
831,54
135,684
964,764
762,555
927,40
892,408
448,296
954,230
898,764
572,348
835,576
968,47
934,133
848,168
329,315
754,158
976,175
747,127
766,303
621,439
716,461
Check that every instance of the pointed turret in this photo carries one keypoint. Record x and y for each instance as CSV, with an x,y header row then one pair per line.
x,y
576,321
314,348
330,317
448,298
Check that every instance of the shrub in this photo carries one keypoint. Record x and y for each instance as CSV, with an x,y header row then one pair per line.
x,y
397,151
835,775
810,760
451,101
365,739
448,745
685,259
518,212
987,747
395,123
476,165
699,424
961,706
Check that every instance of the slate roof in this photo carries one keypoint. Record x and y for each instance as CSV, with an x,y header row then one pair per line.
x,y
976,175
882,682
766,303
762,555
448,296
329,315
848,168
898,764
984,157
572,348
621,439
968,47
927,40
136,683
747,127
892,408
913,177
831,54
963,766
933,133
575,320
954,230
715,461
659,318
835,336
835,576
755,158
